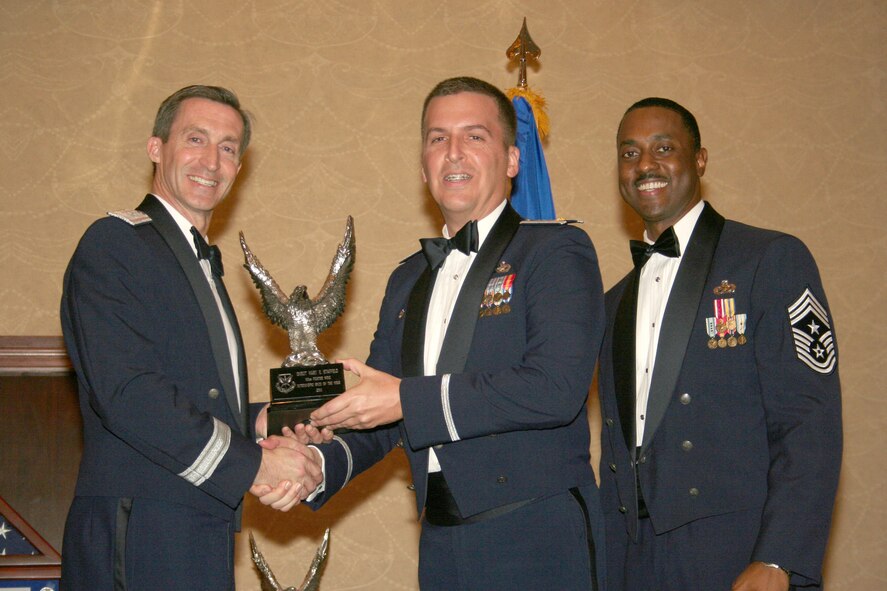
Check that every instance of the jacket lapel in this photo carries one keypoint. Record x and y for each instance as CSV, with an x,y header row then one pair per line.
x,y
680,315
178,244
460,332
624,329
412,350
241,358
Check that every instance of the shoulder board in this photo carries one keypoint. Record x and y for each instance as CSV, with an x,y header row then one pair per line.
x,y
417,253
557,222
133,217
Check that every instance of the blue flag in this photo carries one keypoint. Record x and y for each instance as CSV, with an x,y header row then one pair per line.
x,y
531,188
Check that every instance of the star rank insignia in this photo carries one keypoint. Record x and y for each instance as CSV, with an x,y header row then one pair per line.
x,y
814,342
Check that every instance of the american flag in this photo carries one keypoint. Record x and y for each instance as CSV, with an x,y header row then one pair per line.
x,y
12,542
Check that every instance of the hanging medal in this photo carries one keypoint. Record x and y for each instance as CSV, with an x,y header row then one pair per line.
x,y
740,328
712,331
508,289
721,323
730,309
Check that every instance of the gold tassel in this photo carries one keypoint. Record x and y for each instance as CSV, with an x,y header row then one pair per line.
x,y
537,103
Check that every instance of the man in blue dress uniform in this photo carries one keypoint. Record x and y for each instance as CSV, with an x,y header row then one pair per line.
x,y
721,444
169,437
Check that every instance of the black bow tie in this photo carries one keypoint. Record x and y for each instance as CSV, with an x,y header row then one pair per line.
x,y
211,253
666,244
437,249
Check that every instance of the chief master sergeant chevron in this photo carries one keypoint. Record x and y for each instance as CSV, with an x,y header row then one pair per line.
x,y
718,383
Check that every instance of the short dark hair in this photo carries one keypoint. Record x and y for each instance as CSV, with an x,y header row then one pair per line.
x,y
461,84
169,108
686,116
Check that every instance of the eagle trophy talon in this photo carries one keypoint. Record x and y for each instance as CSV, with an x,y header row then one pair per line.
x,y
302,317
312,579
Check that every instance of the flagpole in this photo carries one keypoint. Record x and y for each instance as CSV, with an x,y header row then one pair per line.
x,y
531,189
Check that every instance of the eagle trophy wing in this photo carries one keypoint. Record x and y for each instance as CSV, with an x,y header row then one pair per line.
x,y
269,581
312,579
330,301
273,299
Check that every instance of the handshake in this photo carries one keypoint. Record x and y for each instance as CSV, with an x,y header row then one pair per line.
x,y
291,471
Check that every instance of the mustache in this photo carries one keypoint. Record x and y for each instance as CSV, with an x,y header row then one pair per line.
x,y
648,176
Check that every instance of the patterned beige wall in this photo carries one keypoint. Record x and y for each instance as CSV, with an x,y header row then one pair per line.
x,y
789,94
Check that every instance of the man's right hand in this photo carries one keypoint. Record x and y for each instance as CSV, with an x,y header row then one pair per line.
x,y
287,475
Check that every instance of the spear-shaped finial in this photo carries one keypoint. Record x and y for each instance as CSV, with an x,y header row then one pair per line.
x,y
523,48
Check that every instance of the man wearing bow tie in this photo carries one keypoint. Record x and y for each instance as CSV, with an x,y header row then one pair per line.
x,y
169,437
480,368
721,444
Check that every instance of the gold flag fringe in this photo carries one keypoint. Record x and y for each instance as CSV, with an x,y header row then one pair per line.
x,y
537,103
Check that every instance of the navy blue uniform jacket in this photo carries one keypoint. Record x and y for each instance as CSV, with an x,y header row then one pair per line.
x,y
156,384
752,427
506,412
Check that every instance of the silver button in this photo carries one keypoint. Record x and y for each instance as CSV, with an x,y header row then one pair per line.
x,y
609,422
687,445
411,486
502,479
622,509
694,492
213,393
613,467
685,398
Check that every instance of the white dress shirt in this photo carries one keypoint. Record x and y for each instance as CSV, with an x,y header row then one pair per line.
x,y
449,281
185,226
654,286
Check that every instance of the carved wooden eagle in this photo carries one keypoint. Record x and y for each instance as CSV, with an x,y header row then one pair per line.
x,y
312,579
305,318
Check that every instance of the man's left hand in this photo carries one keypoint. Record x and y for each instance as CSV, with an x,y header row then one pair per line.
x,y
374,401
759,577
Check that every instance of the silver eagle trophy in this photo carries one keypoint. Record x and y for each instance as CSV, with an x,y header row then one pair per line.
x,y
306,379
312,579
